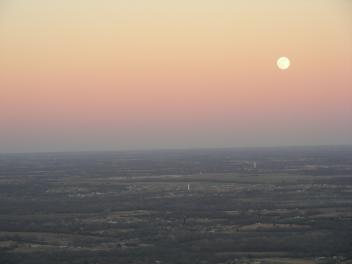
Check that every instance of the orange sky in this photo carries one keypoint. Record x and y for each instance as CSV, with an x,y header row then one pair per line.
x,y
89,74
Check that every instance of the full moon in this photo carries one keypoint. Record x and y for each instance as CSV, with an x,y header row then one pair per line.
x,y
283,63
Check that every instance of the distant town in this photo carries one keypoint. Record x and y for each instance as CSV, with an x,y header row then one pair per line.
x,y
226,206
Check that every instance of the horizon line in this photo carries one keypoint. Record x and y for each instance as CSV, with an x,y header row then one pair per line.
x,y
180,149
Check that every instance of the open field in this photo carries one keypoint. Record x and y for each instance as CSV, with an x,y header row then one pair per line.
x,y
280,206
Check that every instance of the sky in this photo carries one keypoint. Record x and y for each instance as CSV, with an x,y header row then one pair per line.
x,y
151,74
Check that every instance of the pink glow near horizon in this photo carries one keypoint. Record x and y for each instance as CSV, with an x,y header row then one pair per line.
x,y
159,75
